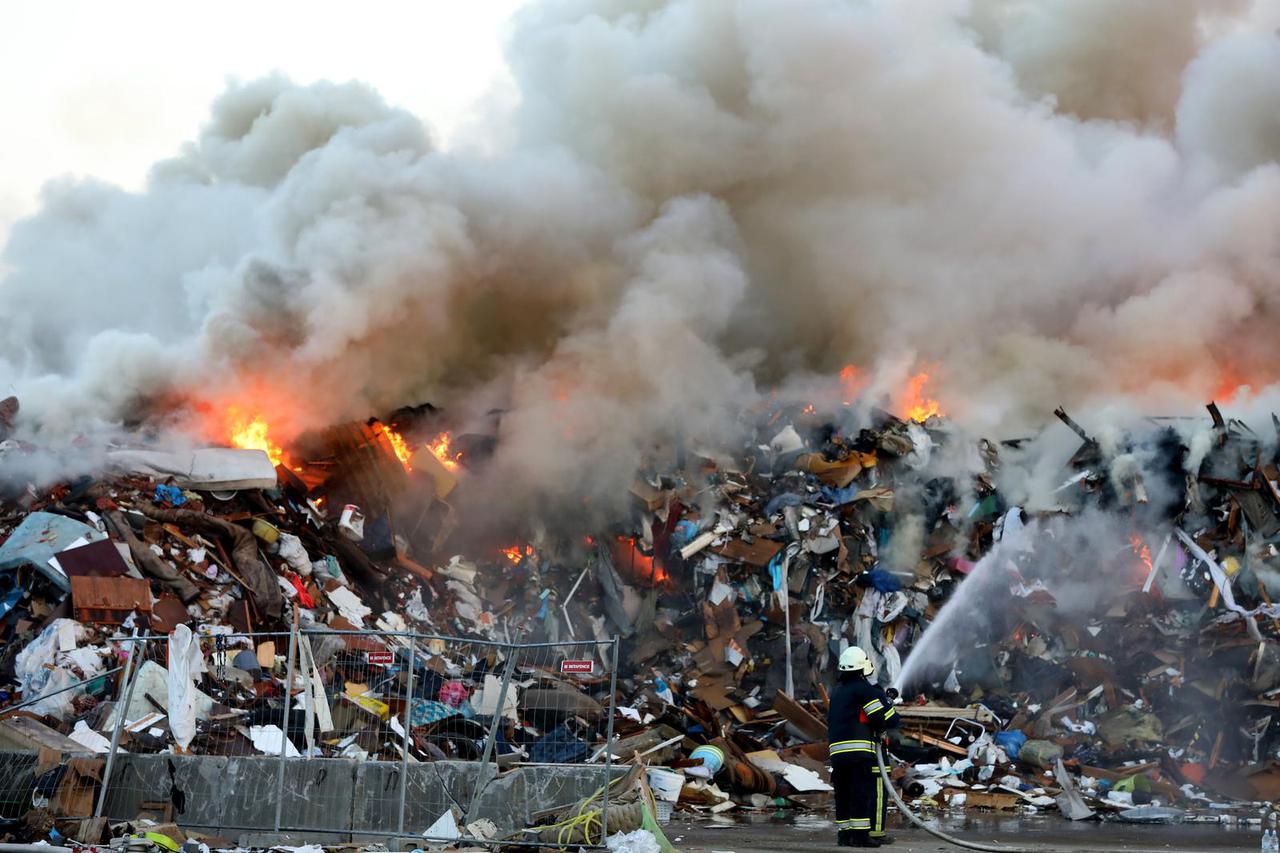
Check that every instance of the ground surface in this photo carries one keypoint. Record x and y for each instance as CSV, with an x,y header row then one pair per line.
x,y
788,834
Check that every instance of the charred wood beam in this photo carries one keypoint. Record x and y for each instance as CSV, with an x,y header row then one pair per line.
x,y
1062,415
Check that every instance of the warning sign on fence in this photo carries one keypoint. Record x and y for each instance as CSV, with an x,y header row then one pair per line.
x,y
577,667
384,658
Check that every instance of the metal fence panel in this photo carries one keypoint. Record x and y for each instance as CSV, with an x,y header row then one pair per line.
x,y
561,694
17,796
365,733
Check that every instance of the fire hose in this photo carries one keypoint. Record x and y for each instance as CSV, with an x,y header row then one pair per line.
x,y
916,821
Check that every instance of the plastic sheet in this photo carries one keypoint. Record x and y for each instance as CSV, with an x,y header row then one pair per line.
x,y
640,841
185,664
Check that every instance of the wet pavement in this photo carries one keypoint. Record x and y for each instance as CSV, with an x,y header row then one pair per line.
x,y
775,833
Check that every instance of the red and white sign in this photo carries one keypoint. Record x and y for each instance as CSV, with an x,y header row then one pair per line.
x,y
383,658
577,667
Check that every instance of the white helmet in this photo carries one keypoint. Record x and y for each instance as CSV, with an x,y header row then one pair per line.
x,y
854,659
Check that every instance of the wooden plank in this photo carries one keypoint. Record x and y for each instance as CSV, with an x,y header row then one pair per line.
x,y
995,800
1217,750
1151,769
940,712
172,530
757,553
1118,774
800,717
944,745
109,601
414,568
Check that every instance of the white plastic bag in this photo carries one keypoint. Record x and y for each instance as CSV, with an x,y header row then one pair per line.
x,y
640,841
290,547
33,663
39,672
185,664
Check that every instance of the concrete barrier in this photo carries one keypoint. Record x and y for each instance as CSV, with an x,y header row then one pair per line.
x,y
325,800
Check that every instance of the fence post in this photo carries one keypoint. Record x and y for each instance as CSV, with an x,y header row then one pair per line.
x,y
408,737
608,745
129,683
493,727
284,720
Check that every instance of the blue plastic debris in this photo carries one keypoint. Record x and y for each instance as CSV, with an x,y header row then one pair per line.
x,y
684,533
883,581
170,494
1010,742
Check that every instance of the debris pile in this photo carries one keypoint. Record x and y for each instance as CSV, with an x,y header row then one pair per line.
x,y
1115,651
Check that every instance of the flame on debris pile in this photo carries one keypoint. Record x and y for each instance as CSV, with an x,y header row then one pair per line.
x,y
636,564
401,447
515,554
852,382
1143,552
254,434
915,404
439,447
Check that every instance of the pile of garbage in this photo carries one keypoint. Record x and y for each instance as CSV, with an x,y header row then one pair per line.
x,y
1038,663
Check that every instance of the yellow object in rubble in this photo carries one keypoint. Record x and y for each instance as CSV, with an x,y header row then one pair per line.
x,y
265,530
373,706
837,474
162,840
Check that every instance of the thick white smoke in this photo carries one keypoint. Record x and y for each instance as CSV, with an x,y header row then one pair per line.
x,y
1049,202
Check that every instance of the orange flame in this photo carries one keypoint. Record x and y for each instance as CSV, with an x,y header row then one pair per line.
x,y
253,435
439,448
808,410
1230,385
515,554
916,405
639,565
852,381
1143,552
400,446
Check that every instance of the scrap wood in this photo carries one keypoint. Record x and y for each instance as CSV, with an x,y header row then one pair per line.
x,y
941,712
150,562
994,800
414,568
1216,752
799,716
944,745
1117,773
757,553
176,533
1148,769
259,577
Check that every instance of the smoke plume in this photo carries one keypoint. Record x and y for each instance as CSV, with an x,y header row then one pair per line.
x,y
691,203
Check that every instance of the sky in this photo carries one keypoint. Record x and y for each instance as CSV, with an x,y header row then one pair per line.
x,y
107,89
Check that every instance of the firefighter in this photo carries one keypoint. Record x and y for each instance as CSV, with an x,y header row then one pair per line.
x,y
859,714
891,720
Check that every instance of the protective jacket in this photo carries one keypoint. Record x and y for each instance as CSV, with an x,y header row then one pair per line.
x,y
860,713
